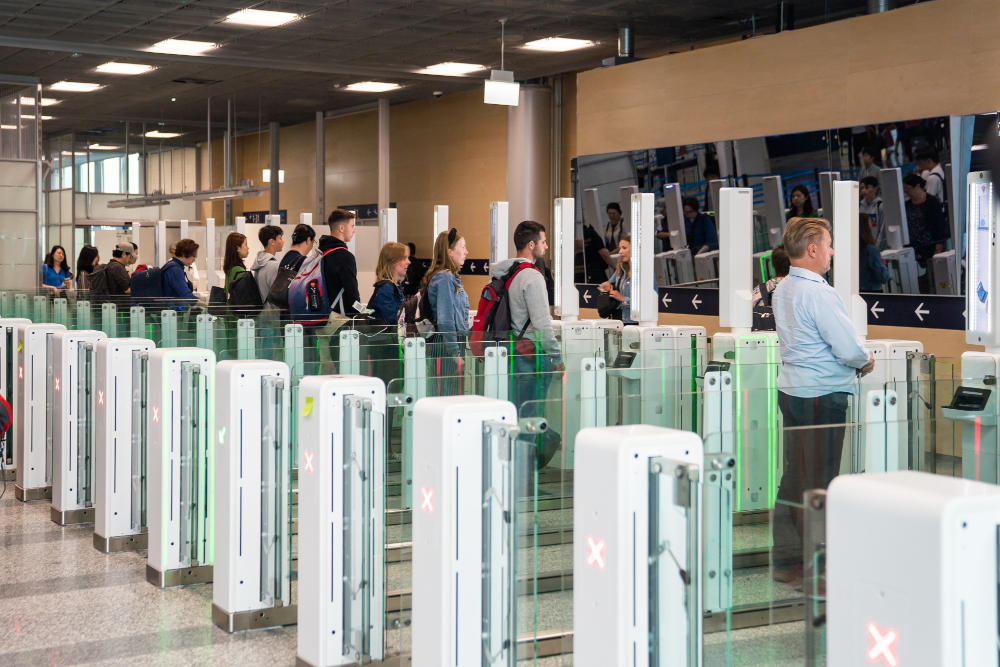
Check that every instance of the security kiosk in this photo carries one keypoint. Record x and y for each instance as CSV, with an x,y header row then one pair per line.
x,y
900,259
636,548
341,564
659,364
717,496
8,378
253,483
930,596
826,205
499,231
32,408
706,264
180,466
752,357
772,213
882,402
582,343
73,426
975,400
464,532
675,265
120,433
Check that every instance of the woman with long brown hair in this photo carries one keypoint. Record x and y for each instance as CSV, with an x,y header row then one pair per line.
x,y
449,303
237,250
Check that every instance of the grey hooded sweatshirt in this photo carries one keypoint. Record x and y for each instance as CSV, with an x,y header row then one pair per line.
x,y
265,269
529,302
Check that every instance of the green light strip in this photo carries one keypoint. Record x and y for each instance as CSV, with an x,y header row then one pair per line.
x,y
738,424
772,420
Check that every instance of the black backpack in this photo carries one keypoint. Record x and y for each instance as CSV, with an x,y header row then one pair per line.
x,y
278,294
763,313
244,293
97,281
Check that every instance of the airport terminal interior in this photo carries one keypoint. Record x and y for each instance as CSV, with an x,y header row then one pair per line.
x,y
598,333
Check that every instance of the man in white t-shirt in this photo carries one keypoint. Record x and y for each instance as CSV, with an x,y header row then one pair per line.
x,y
932,172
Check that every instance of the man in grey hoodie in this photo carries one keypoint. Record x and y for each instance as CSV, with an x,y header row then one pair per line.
x,y
265,266
534,364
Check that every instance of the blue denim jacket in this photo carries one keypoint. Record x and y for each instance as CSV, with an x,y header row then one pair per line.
x,y
387,301
451,309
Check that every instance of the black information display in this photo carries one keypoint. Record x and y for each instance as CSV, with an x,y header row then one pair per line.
x,y
896,310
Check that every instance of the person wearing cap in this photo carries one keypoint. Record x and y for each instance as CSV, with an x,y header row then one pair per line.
x,y
117,274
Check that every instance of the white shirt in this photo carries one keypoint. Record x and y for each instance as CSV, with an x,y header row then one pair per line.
x,y
935,183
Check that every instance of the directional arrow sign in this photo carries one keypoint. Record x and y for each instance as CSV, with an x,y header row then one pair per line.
x,y
586,296
695,301
921,311
876,310
472,267
667,300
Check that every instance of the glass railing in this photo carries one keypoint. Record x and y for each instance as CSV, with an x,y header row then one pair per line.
x,y
759,606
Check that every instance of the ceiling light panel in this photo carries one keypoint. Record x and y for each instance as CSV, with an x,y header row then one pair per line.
x,y
261,18
182,47
452,69
102,147
156,134
558,44
123,68
74,86
46,101
373,87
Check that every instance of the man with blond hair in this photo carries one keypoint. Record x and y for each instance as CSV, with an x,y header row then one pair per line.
x,y
821,359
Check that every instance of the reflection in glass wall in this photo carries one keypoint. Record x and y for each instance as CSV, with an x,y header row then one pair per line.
x,y
912,231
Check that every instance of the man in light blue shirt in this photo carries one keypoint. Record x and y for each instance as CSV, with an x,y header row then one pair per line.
x,y
821,360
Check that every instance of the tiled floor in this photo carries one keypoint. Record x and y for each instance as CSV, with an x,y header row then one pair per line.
x,y
63,603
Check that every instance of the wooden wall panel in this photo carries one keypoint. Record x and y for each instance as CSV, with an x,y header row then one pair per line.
x,y
934,58
451,150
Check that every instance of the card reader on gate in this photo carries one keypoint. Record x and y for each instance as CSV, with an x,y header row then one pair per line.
x,y
970,403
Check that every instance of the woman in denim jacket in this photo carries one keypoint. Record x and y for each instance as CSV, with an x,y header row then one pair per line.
x,y
448,299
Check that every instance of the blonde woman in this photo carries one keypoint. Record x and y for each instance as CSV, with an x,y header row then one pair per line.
x,y
390,271
619,287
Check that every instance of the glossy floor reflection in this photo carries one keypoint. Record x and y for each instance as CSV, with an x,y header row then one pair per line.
x,y
63,603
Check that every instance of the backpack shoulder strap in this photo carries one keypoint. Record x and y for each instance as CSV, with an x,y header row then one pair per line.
x,y
520,266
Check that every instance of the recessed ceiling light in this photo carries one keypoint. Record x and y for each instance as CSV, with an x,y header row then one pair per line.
x,y
182,47
557,44
46,101
156,134
373,87
8,127
452,69
123,68
102,147
75,86
47,117
261,18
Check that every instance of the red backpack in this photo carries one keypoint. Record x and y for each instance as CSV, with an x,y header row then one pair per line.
x,y
492,321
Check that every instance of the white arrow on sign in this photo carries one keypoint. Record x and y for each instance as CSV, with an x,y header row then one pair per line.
x,y
695,301
586,296
876,310
486,267
472,267
920,311
667,300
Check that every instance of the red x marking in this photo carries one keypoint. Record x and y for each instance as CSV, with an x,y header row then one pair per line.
x,y
57,384
156,415
100,397
309,460
881,648
595,552
427,504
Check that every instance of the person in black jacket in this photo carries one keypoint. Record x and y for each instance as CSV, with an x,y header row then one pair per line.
x,y
340,269
927,224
